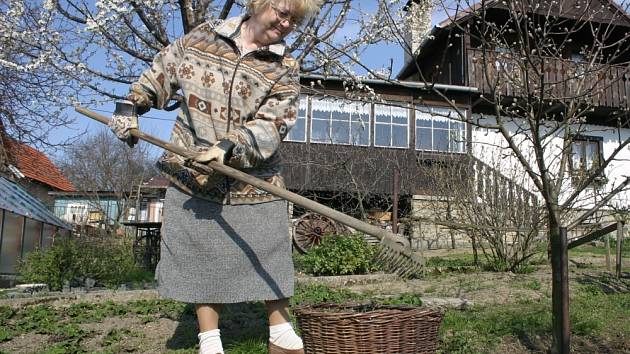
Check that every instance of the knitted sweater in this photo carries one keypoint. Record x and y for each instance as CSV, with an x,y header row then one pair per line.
x,y
260,90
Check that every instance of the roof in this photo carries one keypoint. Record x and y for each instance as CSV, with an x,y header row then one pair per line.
x,y
157,181
17,200
88,194
407,84
567,11
36,165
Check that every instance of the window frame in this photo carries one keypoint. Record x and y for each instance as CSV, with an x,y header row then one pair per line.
x,y
298,117
503,59
579,62
331,119
581,172
463,130
407,107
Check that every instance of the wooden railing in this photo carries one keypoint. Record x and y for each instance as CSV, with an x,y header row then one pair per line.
x,y
503,74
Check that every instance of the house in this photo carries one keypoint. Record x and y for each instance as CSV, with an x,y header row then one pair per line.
x,y
352,137
565,61
35,172
102,209
26,222
151,201
97,209
345,151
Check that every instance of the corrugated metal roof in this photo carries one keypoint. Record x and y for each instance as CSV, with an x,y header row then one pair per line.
x,y
16,200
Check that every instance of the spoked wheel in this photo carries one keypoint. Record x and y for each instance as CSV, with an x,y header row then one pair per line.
x,y
309,229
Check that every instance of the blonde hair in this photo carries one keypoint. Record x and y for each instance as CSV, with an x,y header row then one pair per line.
x,y
302,9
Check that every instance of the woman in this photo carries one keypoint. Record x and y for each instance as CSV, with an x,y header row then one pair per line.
x,y
224,241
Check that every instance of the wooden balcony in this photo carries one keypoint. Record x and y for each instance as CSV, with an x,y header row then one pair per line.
x,y
501,74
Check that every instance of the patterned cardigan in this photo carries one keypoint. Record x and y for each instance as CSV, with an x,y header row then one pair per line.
x,y
259,89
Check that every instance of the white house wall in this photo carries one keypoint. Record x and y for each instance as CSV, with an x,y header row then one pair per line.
x,y
489,146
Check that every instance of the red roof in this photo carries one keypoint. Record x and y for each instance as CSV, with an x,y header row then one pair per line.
x,y
36,165
157,182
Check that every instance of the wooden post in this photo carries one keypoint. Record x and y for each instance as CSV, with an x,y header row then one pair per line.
x,y
607,240
395,190
619,244
560,293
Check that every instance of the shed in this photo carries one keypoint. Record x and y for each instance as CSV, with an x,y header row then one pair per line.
x,y
25,225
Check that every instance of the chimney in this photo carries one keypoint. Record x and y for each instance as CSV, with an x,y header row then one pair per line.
x,y
417,25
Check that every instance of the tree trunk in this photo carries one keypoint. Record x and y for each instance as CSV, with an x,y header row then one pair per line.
x,y
619,244
607,240
560,290
474,247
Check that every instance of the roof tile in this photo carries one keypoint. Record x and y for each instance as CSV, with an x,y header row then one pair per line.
x,y
36,165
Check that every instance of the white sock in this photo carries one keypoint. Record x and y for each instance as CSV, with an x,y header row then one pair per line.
x,y
284,336
210,342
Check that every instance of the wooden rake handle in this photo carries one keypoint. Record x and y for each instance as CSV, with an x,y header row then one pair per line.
x,y
391,240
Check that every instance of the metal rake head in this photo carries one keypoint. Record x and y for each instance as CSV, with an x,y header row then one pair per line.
x,y
397,259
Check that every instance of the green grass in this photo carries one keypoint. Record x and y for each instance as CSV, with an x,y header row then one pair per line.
x,y
533,285
601,250
452,260
480,329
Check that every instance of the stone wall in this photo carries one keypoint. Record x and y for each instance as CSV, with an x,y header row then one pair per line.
x,y
427,235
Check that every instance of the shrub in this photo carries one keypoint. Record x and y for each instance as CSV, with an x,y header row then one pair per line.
x,y
109,261
339,255
54,266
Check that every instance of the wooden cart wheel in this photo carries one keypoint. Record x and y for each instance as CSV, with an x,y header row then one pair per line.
x,y
309,229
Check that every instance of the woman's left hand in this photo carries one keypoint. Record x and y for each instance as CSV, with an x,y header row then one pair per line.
x,y
217,152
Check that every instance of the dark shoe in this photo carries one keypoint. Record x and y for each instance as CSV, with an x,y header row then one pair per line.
x,y
274,349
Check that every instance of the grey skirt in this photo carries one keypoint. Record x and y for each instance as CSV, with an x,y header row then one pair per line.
x,y
214,253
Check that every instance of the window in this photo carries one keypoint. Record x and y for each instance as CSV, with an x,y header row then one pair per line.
x,y
503,59
391,126
11,248
48,235
75,212
340,122
437,131
586,156
298,132
579,61
32,236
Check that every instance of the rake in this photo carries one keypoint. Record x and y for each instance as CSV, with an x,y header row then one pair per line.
x,y
394,253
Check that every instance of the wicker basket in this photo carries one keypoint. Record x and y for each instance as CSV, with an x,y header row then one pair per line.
x,y
362,329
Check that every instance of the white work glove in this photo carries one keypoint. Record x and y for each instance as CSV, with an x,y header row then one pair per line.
x,y
124,119
218,152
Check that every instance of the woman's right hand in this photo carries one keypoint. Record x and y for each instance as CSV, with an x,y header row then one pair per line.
x,y
124,120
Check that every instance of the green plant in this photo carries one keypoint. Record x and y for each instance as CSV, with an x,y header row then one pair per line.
x,y
339,255
109,261
116,335
54,266
318,293
404,299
